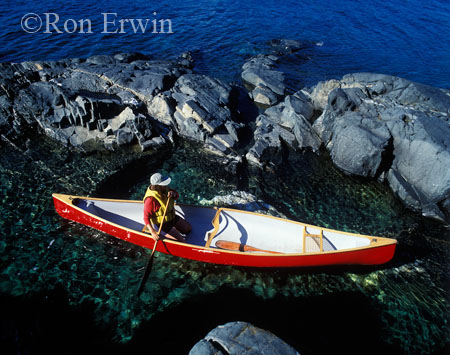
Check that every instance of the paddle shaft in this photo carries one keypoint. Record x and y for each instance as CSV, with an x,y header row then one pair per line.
x,y
150,261
224,244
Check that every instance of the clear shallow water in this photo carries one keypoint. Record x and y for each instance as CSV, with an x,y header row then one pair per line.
x,y
67,287
77,275
405,38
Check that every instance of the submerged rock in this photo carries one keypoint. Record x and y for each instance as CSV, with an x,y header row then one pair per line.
x,y
241,338
287,46
242,200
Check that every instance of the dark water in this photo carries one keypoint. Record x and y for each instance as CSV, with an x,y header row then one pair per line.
x,y
65,288
405,38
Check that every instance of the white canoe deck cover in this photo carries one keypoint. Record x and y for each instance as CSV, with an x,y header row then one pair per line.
x,y
259,231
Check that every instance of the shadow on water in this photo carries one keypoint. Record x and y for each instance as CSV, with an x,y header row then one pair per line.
x,y
45,324
119,184
347,322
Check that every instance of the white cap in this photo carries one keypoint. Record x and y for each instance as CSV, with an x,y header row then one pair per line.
x,y
158,179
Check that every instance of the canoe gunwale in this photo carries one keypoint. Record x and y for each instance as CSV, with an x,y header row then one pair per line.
x,y
69,200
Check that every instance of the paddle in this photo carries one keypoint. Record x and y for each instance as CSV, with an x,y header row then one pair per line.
x,y
150,261
224,244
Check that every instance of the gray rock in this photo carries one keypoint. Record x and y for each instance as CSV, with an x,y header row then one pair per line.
x,y
286,123
232,129
402,91
79,102
202,105
204,347
286,46
152,143
162,108
403,189
268,137
99,97
189,127
124,136
358,144
421,153
320,92
300,104
130,57
217,145
304,134
241,338
264,96
260,71
101,60
390,128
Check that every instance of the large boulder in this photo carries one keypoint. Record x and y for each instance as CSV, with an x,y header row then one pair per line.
x,y
389,128
241,338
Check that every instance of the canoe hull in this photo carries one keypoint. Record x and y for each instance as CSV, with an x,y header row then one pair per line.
x,y
360,256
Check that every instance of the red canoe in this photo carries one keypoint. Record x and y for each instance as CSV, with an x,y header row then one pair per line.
x,y
231,237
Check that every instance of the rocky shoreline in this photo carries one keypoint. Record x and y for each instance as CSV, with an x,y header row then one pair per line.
x,y
372,125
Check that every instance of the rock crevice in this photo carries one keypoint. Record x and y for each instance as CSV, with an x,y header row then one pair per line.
x,y
373,125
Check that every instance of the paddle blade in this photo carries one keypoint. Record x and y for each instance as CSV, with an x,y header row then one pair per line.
x,y
148,270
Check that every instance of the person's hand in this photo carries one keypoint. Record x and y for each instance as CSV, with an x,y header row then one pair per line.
x,y
155,236
171,194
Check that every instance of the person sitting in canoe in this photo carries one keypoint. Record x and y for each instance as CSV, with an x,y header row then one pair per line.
x,y
155,202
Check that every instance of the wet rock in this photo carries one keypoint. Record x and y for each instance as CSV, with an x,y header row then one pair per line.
x,y
286,46
130,57
389,128
241,338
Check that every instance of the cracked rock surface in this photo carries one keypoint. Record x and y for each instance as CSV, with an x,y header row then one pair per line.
x,y
241,338
373,125
392,129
